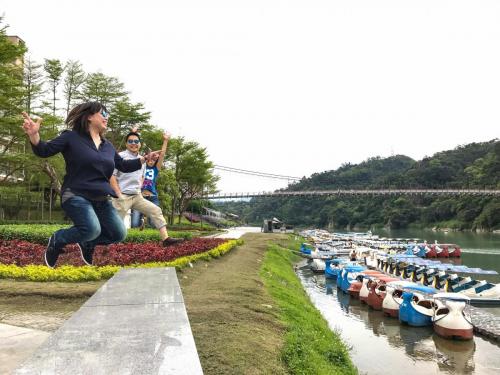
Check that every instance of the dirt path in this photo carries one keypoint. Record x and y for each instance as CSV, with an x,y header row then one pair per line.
x,y
234,322
43,306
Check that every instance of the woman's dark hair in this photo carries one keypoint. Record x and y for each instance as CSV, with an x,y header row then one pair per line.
x,y
78,117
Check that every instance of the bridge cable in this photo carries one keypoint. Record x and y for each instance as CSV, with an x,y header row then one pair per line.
x,y
255,173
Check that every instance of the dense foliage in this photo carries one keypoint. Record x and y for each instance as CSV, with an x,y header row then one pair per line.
x,y
475,165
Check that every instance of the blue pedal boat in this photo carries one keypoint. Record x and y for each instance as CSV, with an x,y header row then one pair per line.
x,y
417,308
348,275
333,267
305,249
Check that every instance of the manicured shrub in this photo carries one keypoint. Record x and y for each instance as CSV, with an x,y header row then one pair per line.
x,y
24,253
40,233
71,273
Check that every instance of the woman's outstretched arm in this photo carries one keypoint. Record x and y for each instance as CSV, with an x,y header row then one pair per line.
x,y
40,148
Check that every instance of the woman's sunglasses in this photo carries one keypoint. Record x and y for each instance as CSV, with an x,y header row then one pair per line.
x,y
133,141
104,113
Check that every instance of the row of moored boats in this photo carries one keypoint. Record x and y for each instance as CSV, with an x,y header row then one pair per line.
x,y
418,292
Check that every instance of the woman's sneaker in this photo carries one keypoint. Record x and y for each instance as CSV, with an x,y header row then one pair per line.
x,y
169,241
52,252
87,253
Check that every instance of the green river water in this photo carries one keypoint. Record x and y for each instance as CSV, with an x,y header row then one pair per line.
x,y
478,249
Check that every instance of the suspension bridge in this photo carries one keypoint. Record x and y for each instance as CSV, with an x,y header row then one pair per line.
x,y
338,192
363,192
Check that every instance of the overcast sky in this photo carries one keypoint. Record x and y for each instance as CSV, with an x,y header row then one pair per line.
x,y
288,87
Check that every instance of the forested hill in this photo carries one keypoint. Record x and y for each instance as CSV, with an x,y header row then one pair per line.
x,y
373,172
475,165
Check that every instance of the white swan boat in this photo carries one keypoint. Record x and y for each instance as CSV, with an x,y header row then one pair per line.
x,y
452,316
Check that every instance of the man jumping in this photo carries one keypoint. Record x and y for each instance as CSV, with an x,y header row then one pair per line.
x,y
127,187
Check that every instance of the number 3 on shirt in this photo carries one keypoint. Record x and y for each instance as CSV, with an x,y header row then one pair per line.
x,y
149,174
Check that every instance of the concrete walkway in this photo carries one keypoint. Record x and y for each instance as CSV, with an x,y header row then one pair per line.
x,y
136,323
17,344
237,232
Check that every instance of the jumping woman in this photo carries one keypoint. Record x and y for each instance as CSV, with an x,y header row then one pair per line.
x,y
86,192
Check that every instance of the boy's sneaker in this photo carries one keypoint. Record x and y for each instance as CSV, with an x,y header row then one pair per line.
x,y
87,253
169,241
52,252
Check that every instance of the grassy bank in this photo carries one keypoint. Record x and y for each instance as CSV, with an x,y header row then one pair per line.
x,y
310,347
250,315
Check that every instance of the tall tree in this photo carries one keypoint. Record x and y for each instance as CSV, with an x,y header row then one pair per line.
x,y
12,98
192,174
124,116
74,79
104,89
19,87
54,69
33,83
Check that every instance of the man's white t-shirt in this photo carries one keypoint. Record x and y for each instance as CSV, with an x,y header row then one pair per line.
x,y
130,183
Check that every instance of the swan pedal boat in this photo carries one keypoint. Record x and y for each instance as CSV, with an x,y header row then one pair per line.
x,y
394,297
417,308
357,284
452,318
367,283
377,291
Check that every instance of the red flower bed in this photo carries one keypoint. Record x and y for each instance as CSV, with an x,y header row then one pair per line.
x,y
23,253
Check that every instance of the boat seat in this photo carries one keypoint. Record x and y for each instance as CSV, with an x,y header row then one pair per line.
x,y
427,304
484,287
442,311
464,286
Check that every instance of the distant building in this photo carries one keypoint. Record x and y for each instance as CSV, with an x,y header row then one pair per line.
x,y
14,39
213,213
275,225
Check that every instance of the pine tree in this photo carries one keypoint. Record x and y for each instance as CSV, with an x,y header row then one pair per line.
x,y
74,79
54,69
33,83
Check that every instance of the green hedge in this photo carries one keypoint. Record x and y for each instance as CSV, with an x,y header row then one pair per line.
x,y
39,233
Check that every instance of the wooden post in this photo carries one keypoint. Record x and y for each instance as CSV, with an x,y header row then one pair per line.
x,y
50,204
41,197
